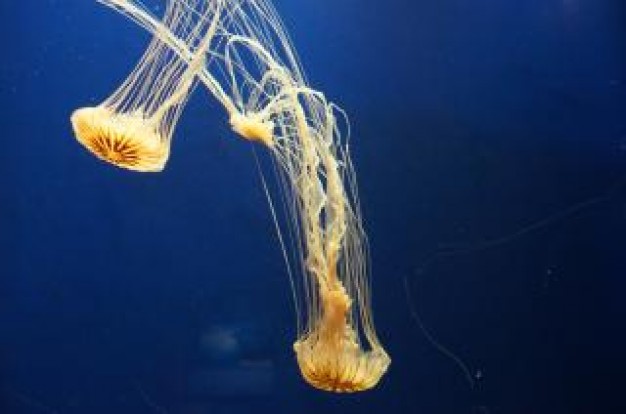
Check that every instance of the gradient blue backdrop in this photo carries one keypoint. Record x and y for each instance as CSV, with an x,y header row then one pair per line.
x,y
473,120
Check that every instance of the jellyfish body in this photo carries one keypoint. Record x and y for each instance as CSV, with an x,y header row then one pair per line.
x,y
133,127
250,66
131,141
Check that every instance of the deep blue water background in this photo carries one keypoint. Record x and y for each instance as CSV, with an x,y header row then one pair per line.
x,y
473,120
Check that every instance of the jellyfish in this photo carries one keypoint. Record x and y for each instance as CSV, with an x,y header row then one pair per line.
x,y
133,127
250,66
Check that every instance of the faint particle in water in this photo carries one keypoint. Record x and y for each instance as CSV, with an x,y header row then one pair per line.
x,y
220,344
470,377
550,278
252,69
478,375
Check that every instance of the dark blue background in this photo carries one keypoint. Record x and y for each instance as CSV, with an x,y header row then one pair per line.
x,y
490,144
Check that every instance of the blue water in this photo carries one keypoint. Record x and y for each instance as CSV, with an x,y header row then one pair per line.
x,y
490,145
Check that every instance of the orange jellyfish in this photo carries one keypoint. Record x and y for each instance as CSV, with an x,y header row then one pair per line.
x,y
250,66
134,126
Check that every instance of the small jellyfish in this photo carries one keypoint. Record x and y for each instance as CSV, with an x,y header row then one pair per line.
x,y
251,68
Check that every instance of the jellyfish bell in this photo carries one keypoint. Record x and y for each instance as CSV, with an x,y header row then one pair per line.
x,y
339,369
253,128
330,357
129,141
